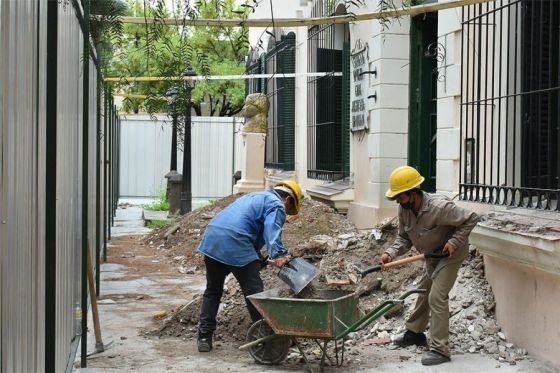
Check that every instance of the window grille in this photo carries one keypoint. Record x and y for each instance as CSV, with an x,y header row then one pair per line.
x,y
280,138
510,104
328,120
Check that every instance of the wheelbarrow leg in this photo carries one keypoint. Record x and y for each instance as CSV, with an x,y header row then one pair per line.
x,y
336,350
324,350
302,354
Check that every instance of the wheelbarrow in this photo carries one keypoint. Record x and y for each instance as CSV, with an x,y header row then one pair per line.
x,y
330,318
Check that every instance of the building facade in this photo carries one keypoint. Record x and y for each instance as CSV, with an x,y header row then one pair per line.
x,y
470,96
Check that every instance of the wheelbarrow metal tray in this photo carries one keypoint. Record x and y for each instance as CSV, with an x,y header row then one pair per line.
x,y
325,317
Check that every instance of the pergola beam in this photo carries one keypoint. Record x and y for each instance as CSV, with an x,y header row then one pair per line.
x,y
302,22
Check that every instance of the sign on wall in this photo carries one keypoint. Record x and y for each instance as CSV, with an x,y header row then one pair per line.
x,y
359,114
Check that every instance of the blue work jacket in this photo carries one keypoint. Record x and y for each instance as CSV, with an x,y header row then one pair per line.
x,y
236,235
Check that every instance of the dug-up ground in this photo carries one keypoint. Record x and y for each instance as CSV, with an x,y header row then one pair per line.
x,y
152,285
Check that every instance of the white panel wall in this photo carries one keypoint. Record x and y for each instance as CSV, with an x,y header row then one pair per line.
x,y
146,154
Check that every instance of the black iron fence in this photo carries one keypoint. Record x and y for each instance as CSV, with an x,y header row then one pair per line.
x,y
328,99
510,104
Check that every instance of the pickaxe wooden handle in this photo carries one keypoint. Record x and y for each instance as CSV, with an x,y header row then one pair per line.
x,y
437,253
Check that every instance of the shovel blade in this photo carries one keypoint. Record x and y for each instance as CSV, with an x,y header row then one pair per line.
x,y
297,274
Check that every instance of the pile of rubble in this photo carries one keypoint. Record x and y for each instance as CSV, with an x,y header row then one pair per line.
x,y
473,327
329,240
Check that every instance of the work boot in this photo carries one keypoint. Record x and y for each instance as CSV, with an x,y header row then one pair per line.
x,y
434,358
204,343
410,338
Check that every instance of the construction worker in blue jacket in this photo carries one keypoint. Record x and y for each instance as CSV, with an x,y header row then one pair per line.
x,y
232,243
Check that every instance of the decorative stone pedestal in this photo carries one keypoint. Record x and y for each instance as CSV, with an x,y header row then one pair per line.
x,y
252,164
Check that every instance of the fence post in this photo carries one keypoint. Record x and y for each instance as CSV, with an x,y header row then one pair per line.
x,y
85,179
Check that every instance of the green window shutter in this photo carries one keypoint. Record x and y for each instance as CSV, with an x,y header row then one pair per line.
x,y
286,103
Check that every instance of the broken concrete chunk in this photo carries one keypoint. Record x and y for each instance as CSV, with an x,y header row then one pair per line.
x,y
376,234
346,236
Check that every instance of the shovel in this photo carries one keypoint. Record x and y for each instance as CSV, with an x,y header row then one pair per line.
x,y
297,273
437,253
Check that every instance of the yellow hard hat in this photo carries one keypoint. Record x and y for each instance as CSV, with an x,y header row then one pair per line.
x,y
293,189
402,179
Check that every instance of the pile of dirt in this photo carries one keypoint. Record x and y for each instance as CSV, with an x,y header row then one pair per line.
x,y
178,241
320,234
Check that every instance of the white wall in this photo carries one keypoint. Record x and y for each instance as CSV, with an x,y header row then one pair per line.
x,y
146,154
383,146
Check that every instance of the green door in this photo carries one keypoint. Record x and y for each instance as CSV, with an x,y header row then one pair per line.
x,y
422,124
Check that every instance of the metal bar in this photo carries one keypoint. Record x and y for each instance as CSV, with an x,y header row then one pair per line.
x,y
486,97
50,186
461,121
538,98
109,162
499,154
493,95
550,129
85,178
478,93
115,164
97,182
470,126
118,155
516,22
558,113
508,36
105,137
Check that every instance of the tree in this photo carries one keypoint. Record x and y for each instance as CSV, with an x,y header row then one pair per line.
x,y
157,50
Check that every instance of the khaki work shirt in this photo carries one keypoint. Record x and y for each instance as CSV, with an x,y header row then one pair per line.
x,y
439,220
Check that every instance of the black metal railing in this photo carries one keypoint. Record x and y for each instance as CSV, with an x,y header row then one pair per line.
x,y
328,95
510,104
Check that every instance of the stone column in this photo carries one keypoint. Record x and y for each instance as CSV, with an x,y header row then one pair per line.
x,y
255,112
252,163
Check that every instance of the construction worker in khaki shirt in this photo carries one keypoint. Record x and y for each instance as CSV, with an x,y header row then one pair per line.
x,y
428,221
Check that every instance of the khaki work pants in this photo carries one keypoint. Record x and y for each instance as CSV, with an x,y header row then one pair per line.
x,y
434,305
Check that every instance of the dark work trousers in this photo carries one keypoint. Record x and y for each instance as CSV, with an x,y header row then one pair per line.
x,y
249,279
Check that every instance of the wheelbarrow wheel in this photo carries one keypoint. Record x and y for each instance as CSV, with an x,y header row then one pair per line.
x,y
270,352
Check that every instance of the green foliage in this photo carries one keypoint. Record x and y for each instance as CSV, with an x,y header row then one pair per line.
x,y
158,50
161,203
155,224
106,28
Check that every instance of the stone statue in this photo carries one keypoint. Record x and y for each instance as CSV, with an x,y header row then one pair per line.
x,y
255,112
